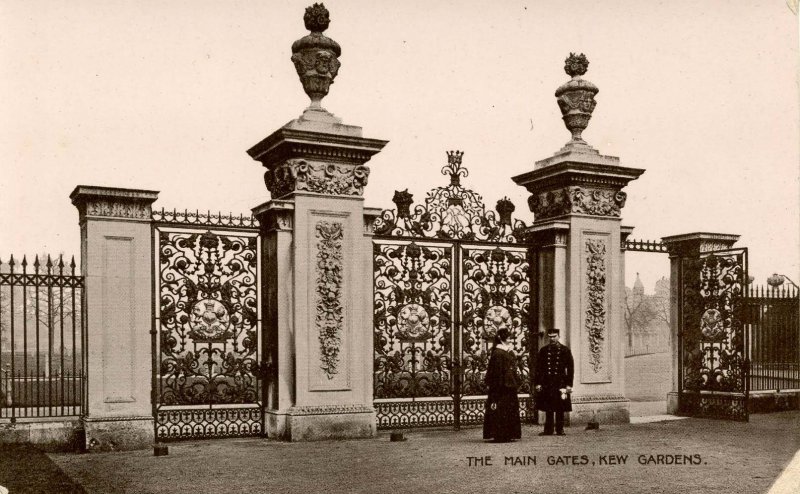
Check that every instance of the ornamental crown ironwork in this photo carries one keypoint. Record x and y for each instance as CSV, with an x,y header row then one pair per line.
x,y
450,212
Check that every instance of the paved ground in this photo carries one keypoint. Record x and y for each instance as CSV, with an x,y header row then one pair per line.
x,y
696,456
648,377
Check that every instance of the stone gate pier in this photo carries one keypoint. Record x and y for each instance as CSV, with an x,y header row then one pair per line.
x,y
578,240
317,254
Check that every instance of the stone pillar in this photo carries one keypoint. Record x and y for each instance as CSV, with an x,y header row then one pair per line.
x,y
680,247
117,265
318,291
577,199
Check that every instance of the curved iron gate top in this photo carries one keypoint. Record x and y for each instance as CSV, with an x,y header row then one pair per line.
x,y
451,213
447,274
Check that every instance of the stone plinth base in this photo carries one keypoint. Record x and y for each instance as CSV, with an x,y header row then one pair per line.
x,y
672,403
316,423
772,401
605,409
58,434
118,434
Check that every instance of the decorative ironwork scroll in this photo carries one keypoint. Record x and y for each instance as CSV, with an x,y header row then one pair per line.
x,y
496,291
413,333
713,354
452,212
207,334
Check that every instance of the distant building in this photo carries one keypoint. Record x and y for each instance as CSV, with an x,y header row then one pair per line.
x,y
647,318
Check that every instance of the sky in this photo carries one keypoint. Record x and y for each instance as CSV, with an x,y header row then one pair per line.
x,y
169,95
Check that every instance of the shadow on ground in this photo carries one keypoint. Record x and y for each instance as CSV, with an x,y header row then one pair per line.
x,y
24,469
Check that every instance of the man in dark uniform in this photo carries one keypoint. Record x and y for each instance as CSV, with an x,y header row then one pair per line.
x,y
553,380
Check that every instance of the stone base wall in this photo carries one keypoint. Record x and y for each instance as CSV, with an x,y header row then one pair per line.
x,y
602,409
48,435
319,423
110,434
771,401
672,403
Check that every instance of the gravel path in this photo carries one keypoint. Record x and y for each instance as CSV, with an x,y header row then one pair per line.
x,y
696,456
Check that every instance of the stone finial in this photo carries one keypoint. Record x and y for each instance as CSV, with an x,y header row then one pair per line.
x,y
576,97
317,18
316,56
576,64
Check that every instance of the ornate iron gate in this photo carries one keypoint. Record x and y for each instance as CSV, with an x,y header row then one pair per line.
x,y
713,356
207,327
447,275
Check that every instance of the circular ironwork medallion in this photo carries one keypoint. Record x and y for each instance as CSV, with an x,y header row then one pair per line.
x,y
413,323
497,317
711,323
209,320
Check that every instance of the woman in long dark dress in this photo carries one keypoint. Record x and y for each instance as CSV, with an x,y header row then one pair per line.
x,y
501,418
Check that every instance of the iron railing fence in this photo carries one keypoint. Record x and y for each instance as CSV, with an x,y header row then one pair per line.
x,y
656,246
772,335
42,371
186,217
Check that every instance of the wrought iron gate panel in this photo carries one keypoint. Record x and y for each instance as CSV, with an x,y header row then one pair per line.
x,y
446,274
207,324
413,331
713,356
495,293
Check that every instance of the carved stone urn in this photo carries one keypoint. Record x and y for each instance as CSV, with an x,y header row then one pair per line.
x,y
576,97
316,56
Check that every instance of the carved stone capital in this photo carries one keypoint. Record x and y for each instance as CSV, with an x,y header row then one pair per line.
x,y
594,201
323,178
113,203
691,244
275,216
370,215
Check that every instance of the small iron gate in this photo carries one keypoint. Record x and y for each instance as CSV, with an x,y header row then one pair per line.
x,y
207,326
446,276
713,371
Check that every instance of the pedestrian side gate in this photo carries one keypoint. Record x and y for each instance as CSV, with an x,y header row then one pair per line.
x,y
207,327
713,370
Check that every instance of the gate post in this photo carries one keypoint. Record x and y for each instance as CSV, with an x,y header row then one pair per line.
x,y
116,262
318,261
680,247
577,199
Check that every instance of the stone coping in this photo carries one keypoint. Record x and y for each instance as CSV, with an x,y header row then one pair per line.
x,y
84,192
716,237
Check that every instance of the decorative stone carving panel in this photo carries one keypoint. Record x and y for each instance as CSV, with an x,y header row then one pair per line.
x,y
577,200
323,178
117,209
595,364
329,305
